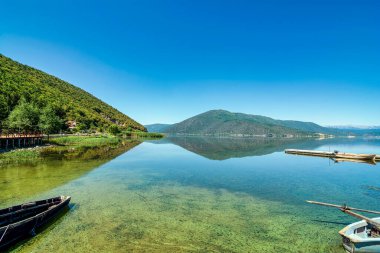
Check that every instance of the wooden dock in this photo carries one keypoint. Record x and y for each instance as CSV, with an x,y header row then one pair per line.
x,y
334,155
20,141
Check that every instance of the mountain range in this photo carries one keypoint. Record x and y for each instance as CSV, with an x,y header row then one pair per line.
x,y
225,123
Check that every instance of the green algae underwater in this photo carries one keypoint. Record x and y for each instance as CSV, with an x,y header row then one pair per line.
x,y
167,196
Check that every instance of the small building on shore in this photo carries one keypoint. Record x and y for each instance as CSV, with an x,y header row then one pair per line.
x,y
71,124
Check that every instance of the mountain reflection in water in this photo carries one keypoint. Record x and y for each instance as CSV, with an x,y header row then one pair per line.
x,y
223,148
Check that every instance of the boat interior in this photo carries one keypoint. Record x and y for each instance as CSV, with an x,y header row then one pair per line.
x,y
366,232
361,230
20,212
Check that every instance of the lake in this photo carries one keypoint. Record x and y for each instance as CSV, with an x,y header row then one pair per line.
x,y
197,195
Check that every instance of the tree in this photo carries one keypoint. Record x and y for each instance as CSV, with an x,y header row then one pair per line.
x,y
25,117
114,129
3,108
49,121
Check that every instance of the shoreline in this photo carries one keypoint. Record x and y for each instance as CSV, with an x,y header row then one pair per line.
x,y
61,145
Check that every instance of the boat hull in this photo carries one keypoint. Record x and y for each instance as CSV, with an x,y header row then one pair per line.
x,y
356,239
13,232
365,247
362,157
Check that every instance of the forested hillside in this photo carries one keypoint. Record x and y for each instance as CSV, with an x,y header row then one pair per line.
x,y
71,104
221,122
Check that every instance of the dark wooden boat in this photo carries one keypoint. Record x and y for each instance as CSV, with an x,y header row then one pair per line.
x,y
336,155
363,157
19,221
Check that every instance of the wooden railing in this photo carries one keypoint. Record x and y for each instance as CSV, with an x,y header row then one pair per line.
x,y
20,135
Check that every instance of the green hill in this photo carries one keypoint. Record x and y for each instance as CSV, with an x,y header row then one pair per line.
x,y
221,122
18,81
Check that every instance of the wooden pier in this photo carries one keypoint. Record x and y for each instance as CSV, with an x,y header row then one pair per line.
x,y
335,155
20,141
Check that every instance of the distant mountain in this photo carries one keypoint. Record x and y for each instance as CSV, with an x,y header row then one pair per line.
x,y
157,128
365,132
355,127
221,122
72,104
359,130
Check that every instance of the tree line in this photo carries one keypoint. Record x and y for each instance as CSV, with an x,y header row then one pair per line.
x,y
29,118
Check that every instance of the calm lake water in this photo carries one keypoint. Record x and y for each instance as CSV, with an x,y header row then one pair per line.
x,y
197,195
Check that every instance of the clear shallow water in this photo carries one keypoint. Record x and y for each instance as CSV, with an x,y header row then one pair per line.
x,y
198,195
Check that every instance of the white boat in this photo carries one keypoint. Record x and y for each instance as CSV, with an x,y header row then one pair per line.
x,y
362,236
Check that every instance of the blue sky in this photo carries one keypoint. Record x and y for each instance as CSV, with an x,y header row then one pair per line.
x,y
164,61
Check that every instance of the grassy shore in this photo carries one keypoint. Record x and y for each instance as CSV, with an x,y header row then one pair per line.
x,y
69,144
84,141
141,135
56,145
